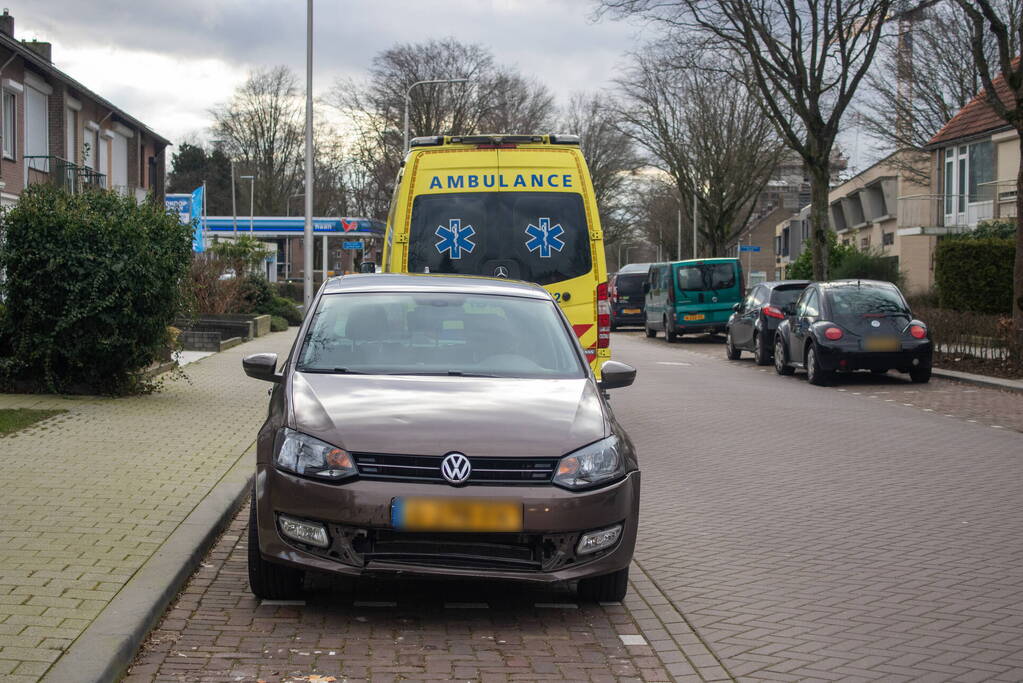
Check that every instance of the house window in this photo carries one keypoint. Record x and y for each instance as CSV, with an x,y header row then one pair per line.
x,y
10,111
865,242
71,134
981,165
887,238
37,143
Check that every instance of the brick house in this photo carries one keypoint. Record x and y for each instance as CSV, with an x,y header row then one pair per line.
x,y
55,130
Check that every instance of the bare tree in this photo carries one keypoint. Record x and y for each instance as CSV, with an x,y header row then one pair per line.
x,y
805,59
495,100
261,126
610,156
920,79
990,23
699,127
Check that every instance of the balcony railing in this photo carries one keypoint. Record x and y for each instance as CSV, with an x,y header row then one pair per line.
x,y
62,173
958,213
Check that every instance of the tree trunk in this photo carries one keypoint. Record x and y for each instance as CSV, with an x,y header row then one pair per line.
x,y
820,181
1017,273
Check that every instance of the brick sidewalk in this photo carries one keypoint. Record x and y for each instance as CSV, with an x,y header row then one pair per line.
x,y
88,496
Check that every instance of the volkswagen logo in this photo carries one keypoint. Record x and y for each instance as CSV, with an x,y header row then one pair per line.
x,y
501,271
455,468
875,323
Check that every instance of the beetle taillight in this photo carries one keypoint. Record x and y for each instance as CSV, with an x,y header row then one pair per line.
x,y
833,333
918,331
603,317
773,312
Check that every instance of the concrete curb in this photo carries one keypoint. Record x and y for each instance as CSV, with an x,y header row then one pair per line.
x,y
980,380
103,652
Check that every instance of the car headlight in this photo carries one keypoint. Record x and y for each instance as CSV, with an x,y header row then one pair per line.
x,y
591,465
302,454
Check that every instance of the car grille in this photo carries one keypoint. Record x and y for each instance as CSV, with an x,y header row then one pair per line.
x,y
426,468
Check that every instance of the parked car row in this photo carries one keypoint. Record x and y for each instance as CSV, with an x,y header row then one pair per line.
x,y
830,327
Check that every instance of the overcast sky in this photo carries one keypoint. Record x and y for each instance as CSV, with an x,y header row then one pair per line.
x,y
168,63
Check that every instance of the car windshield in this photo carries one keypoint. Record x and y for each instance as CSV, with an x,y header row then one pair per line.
x,y
866,301
706,276
630,285
539,237
785,297
441,334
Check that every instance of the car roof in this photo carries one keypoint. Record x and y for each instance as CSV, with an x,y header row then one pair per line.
x,y
428,282
634,268
771,284
833,284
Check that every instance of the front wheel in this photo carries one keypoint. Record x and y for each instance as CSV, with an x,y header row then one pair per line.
x,y
781,365
761,354
920,375
731,353
814,374
267,580
649,332
607,588
669,333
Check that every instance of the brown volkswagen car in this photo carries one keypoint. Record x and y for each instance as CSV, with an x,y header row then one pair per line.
x,y
441,426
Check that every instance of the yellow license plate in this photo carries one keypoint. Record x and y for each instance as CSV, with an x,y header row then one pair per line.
x,y
698,316
630,311
881,344
431,514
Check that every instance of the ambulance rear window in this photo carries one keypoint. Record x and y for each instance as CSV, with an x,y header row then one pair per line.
x,y
539,237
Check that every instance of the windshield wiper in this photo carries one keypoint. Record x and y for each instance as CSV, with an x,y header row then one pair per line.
x,y
446,373
332,371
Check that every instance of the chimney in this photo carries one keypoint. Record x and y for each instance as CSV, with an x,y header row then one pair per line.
x,y
42,49
7,24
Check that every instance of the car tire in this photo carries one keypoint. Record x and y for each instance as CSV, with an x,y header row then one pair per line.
x,y
669,334
731,353
606,588
920,375
649,333
269,581
814,374
781,360
614,327
761,354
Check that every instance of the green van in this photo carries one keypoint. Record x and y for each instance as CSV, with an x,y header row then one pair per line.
x,y
686,297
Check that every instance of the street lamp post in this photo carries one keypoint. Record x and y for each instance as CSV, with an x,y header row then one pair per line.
x,y
307,270
408,100
252,198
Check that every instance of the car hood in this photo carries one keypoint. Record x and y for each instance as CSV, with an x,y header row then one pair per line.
x,y
436,415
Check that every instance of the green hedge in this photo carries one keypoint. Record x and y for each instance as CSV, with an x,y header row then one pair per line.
x,y
92,281
975,274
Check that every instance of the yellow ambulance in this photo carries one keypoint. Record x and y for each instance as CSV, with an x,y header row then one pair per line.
x,y
505,206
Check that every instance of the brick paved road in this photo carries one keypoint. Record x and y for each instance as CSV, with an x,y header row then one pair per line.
x,y
788,532
88,496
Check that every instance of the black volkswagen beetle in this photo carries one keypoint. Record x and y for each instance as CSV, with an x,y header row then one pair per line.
x,y
849,325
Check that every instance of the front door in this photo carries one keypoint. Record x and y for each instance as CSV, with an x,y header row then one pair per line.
x,y
807,313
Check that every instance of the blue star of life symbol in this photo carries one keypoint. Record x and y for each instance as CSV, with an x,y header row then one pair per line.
x,y
455,238
545,237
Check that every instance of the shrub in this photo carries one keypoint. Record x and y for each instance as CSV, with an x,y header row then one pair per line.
x,y
92,281
256,294
278,324
868,265
975,274
802,267
206,292
291,290
285,309
1003,228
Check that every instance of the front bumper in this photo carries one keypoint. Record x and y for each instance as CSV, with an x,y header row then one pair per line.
x,y
619,317
852,357
357,516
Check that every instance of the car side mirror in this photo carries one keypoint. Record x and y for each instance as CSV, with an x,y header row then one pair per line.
x,y
646,287
262,366
367,267
614,375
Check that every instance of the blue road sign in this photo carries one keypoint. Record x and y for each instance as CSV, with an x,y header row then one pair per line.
x,y
749,247
352,245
